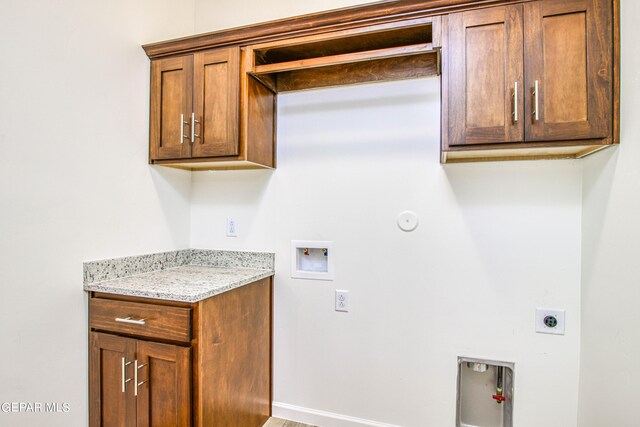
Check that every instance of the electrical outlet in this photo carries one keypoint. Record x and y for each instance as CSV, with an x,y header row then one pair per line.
x,y
550,321
342,300
232,227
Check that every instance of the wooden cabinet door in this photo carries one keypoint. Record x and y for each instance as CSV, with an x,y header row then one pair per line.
x,y
216,106
484,74
110,366
171,106
568,51
164,385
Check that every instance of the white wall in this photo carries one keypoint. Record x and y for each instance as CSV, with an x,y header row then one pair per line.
x,y
214,15
74,183
494,241
610,372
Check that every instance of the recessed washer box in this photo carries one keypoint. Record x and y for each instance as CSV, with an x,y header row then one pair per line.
x,y
311,259
485,393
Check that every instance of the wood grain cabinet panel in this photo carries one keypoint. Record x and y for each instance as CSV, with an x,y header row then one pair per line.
x,y
143,320
568,51
221,376
111,395
216,98
164,393
235,365
171,100
485,68
137,383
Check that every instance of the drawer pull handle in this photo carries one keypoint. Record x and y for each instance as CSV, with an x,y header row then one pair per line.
x,y
130,320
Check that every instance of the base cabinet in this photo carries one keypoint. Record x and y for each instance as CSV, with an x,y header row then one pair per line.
x,y
217,374
138,383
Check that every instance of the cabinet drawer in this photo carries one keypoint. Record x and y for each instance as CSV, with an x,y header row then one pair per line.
x,y
147,320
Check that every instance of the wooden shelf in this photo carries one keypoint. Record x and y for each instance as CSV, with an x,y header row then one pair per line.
x,y
346,58
390,51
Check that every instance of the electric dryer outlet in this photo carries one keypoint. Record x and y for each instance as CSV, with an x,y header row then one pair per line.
x,y
550,321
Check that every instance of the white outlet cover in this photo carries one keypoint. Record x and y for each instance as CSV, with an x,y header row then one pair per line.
x,y
342,300
232,227
542,313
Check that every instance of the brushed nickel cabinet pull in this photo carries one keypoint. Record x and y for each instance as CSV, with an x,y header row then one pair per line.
x,y
125,380
515,102
536,113
130,320
182,123
193,128
135,378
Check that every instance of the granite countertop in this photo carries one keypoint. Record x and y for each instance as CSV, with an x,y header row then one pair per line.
x,y
188,275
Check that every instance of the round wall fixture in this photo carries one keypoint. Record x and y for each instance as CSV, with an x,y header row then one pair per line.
x,y
408,221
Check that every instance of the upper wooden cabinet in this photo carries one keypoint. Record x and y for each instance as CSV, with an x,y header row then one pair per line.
x,y
531,80
520,79
199,103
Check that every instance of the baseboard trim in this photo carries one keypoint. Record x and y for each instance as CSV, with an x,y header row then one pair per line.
x,y
321,418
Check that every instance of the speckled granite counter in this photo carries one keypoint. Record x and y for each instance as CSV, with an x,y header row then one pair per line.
x,y
188,275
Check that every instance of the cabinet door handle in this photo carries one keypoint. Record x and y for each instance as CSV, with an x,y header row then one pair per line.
x,y
130,320
125,380
182,123
515,103
536,113
193,128
135,378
